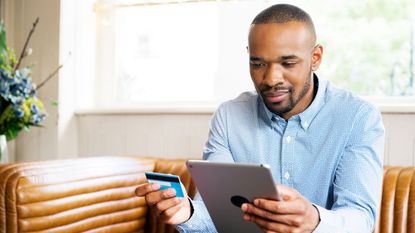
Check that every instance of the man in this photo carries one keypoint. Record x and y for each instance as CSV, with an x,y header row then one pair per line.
x,y
324,144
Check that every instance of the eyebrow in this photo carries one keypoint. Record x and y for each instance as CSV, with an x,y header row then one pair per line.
x,y
288,57
282,58
253,58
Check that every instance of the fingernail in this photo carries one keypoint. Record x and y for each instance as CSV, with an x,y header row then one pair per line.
x,y
256,202
244,207
170,193
155,186
246,217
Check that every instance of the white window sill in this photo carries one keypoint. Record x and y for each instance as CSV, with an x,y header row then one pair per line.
x,y
394,105
396,109
145,111
150,109
404,108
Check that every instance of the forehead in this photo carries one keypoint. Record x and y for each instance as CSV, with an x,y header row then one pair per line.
x,y
279,39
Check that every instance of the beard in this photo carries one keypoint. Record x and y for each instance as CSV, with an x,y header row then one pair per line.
x,y
292,99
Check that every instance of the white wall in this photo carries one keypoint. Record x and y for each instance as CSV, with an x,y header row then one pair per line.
x,y
155,135
400,138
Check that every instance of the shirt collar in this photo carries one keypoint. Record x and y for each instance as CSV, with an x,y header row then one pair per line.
x,y
307,116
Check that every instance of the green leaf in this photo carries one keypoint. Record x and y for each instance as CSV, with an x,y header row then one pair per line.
x,y
11,134
3,45
54,103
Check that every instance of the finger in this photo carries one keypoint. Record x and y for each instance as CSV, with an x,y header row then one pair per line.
x,y
155,197
163,205
267,225
253,210
170,212
287,219
287,193
146,188
281,207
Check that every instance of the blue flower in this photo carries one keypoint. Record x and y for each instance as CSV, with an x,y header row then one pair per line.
x,y
34,108
19,101
4,84
35,119
19,112
15,90
4,90
16,100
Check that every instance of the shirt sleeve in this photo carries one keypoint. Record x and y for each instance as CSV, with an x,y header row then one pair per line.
x,y
217,146
216,149
200,221
358,178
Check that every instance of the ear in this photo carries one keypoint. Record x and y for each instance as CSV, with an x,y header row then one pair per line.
x,y
316,57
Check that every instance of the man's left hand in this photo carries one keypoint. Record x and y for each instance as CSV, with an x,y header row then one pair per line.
x,y
294,214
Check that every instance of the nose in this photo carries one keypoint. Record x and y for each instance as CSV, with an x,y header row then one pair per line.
x,y
273,76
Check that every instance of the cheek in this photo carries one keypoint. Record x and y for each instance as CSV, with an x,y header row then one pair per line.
x,y
256,78
300,76
297,84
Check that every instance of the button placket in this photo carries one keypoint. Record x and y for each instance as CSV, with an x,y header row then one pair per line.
x,y
287,175
287,156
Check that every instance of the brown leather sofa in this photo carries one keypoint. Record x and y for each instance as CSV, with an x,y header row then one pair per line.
x,y
97,195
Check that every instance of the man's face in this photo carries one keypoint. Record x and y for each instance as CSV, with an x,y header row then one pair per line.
x,y
282,58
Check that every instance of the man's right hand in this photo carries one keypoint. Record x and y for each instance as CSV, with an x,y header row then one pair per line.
x,y
168,207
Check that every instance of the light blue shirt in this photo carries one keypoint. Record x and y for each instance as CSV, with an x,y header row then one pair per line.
x,y
331,153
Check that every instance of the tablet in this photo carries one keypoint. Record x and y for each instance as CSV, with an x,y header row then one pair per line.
x,y
224,187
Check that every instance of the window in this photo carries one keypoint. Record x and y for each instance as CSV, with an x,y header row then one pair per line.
x,y
195,51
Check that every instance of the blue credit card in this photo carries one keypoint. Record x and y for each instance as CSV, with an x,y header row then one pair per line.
x,y
165,181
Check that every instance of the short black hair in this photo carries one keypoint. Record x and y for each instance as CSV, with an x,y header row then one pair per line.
x,y
284,13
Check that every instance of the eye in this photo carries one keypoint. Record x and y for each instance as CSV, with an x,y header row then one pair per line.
x,y
257,64
289,64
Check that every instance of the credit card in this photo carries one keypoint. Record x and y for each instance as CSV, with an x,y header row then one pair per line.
x,y
165,181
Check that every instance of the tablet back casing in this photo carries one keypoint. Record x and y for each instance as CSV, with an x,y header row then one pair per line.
x,y
218,183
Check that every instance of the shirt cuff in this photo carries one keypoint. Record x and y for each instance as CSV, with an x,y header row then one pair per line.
x,y
190,223
345,220
325,217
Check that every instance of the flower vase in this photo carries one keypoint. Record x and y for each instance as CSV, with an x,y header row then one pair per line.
x,y
4,157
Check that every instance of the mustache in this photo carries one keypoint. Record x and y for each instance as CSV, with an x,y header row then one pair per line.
x,y
275,89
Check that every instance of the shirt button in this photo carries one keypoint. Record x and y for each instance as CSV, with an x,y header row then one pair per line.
x,y
287,175
288,139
